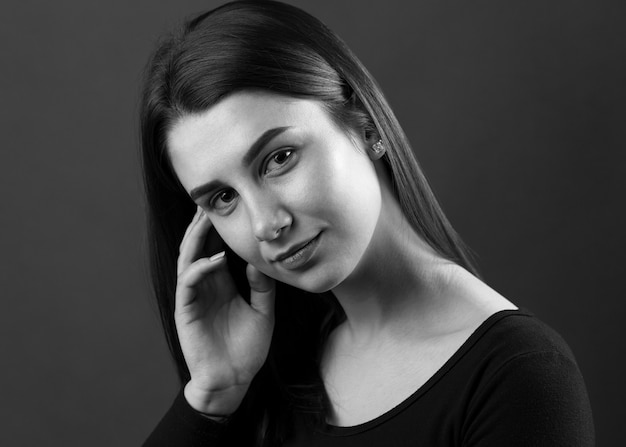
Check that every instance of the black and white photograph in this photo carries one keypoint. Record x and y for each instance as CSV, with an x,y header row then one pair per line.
x,y
265,223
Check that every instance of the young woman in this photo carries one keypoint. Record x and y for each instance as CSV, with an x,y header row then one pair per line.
x,y
311,289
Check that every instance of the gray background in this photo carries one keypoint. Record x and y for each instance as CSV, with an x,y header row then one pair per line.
x,y
516,111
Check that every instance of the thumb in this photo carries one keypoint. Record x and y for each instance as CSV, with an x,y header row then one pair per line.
x,y
262,290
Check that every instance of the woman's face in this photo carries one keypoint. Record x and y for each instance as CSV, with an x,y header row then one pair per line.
x,y
286,188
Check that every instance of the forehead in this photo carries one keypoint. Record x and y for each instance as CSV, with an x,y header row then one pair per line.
x,y
227,129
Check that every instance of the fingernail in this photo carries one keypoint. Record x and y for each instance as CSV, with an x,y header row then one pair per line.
x,y
217,256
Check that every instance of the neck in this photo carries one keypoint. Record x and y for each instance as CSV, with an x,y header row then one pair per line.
x,y
398,279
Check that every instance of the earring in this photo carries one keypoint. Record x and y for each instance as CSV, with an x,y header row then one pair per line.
x,y
378,148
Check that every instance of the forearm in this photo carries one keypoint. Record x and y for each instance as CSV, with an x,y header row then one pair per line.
x,y
183,426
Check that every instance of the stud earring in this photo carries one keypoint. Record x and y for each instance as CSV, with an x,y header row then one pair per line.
x,y
378,147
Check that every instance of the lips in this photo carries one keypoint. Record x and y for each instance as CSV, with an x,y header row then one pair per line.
x,y
291,251
299,254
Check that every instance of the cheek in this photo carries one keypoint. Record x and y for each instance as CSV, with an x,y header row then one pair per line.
x,y
352,190
234,235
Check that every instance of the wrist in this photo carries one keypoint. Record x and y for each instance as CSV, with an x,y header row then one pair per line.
x,y
217,404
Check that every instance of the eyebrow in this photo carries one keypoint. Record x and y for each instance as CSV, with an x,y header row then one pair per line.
x,y
247,159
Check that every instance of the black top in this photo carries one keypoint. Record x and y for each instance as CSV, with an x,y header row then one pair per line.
x,y
514,382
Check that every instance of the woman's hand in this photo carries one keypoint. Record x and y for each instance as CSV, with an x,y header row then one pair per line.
x,y
224,339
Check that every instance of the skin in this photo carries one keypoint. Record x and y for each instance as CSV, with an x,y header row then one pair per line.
x,y
326,184
407,308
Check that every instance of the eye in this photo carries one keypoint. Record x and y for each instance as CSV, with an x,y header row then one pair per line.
x,y
278,159
223,199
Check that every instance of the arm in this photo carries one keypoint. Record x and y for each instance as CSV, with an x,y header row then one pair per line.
x,y
534,399
184,426
224,339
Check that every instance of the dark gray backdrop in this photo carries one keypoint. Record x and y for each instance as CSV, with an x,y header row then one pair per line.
x,y
515,109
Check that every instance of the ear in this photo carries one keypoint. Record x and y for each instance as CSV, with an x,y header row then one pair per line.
x,y
375,147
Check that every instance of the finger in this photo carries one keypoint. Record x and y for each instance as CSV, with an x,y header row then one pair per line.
x,y
192,223
192,245
262,291
189,279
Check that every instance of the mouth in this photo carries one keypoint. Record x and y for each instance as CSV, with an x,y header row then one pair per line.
x,y
299,254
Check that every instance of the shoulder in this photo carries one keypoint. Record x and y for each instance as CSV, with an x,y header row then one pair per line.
x,y
526,383
518,349
511,334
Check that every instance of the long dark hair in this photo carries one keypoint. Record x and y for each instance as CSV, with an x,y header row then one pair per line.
x,y
276,47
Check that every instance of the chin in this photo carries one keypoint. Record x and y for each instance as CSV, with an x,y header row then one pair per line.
x,y
315,281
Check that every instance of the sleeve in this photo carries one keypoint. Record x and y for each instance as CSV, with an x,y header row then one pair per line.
x,y
182,426
534,399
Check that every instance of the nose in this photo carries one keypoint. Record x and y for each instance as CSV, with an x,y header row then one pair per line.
x,y
268,218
